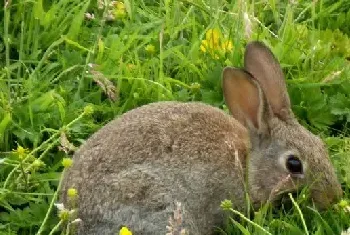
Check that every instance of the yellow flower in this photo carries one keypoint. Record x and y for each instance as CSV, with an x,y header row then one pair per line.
x,y
63,214
38,163
67,162
226,204
150,49
343,203
204,45
227,46
22,152
72,192
213,36
88,109
125,231
116,9
120,6
119,11
214,45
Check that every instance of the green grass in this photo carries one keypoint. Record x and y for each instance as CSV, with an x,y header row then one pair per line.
x,y
56,67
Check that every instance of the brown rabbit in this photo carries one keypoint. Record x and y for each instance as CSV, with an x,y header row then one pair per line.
x,y
133,169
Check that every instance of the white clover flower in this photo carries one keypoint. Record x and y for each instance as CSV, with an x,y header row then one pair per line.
x,y
60,206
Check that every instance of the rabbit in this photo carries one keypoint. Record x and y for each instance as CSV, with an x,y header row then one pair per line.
x,y
133,170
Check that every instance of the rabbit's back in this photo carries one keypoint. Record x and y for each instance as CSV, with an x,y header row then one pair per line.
x,y
133,169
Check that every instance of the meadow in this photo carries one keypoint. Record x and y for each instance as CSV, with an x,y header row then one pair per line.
x,y
68,67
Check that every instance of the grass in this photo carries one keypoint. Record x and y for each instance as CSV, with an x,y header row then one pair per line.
x,y
64,75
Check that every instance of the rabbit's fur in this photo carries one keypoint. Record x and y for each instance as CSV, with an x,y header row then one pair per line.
x,y
133,169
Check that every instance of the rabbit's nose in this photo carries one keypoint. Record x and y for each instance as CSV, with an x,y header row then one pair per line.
x,y
327,197
336,193
332,190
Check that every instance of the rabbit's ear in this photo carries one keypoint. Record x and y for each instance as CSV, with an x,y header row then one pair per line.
x,y
262,64
245,99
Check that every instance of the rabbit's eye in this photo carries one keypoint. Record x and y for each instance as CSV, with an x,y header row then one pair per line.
x,y
294,165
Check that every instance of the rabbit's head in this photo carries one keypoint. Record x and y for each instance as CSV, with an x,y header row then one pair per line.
x,y
284,155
